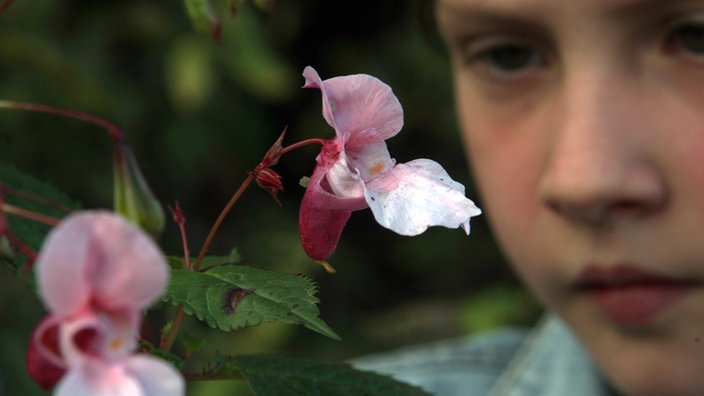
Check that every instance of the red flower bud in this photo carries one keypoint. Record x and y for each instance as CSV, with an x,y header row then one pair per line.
x,y
270,181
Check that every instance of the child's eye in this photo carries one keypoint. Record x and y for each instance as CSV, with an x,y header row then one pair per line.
x,y
504,60
688,38
509,58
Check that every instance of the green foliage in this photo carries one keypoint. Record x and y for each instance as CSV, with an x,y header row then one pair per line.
x,y
284,376
208,261
202,15
232,297
30,232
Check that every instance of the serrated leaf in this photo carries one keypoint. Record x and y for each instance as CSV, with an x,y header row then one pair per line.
x,y
31,233
176,262
232,297
284,376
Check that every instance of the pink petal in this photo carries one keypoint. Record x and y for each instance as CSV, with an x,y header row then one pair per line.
x,y
320,229
358,103
102,258
416,195
323,215
61,268
90,334
43,361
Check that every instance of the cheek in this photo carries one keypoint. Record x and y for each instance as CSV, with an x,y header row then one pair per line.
x,y
507,153
507,163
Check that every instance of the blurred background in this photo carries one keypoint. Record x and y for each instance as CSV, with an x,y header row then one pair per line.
x,y
200,114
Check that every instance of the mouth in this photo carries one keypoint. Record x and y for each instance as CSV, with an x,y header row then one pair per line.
x,y
632,297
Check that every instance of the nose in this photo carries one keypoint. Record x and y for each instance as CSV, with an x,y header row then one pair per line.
x,y
600,165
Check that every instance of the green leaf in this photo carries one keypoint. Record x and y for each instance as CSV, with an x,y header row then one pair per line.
x,y
30,232
232,297
176,262
284,376
202,15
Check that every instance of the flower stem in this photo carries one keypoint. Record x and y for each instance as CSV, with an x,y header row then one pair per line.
x,y
180,219
170,337
36,198
301,144
168,341
28,214
220,219
112,128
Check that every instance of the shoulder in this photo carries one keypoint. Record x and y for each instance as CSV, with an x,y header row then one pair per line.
x,y
450,367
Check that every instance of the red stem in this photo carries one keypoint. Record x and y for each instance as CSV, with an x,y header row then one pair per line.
x,y
220,219
112,128
36,198
302,143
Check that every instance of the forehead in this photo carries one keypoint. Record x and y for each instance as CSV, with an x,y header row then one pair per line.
x,y
541,7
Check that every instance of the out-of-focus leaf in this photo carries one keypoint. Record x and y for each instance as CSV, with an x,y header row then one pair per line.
x,y
203,17
283,376
30,232
232,297
190,73
254,61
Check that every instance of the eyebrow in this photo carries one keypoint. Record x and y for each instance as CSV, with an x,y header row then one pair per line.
x,y
462,17
535,15
521,10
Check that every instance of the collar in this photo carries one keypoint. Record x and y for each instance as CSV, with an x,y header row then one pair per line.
x,y
552,362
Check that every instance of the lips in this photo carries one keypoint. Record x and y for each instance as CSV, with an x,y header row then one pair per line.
x,y
629,296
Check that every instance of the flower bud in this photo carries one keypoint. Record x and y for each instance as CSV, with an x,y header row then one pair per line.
x,y
133,198
270,181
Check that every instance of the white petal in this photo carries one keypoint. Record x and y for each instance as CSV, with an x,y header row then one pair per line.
x,y
155,376
344,183
98,379
371,160
416,195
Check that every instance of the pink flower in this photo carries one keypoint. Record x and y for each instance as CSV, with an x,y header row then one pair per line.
x,y
355,171
96,272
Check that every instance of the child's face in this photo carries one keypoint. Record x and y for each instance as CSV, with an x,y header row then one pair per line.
x,y
584,123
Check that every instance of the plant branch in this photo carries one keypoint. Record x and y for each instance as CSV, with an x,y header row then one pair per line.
x,y
220,219
168,342
301,144
36,198
112,128
28,214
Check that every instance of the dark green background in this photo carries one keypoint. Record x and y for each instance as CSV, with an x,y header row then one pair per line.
x,y
200,114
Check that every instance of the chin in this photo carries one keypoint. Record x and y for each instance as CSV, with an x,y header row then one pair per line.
x,y
641,380
664,360
652,363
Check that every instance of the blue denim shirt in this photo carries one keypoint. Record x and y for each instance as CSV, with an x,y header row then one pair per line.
x,y
547,361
